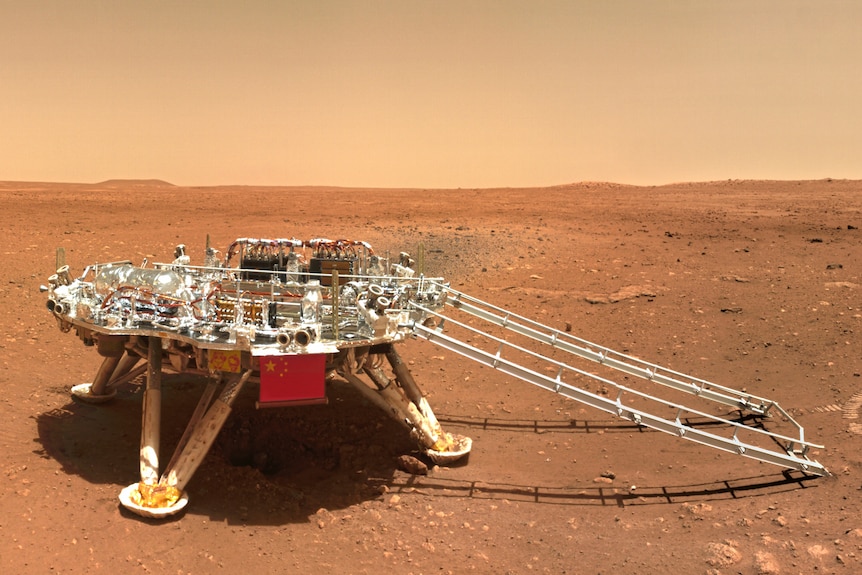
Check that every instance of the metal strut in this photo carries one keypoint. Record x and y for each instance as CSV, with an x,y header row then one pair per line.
x,y
200,433
789,451
403,401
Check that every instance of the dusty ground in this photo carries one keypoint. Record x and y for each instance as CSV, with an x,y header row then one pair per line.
x,y
755,285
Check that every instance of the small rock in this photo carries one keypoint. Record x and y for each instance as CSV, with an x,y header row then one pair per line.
x,y
817,551
722,554
596,299
697,509
766,563
412,465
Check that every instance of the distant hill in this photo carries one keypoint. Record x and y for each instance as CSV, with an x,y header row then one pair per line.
x,y
121,183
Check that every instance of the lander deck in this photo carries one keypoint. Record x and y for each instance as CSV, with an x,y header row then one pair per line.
x,y
292,314
277,301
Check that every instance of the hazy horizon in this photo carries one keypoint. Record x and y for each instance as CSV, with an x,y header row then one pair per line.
x,y
594,183
430,95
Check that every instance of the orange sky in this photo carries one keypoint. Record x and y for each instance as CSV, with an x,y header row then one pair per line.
x,y
430,93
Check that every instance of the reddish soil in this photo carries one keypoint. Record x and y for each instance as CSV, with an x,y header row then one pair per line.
x,y
754,285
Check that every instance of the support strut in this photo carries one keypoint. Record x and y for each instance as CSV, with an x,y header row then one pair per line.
x,y
152,414
403,401
202,432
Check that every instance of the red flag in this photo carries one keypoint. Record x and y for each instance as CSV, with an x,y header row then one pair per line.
x,y
292,377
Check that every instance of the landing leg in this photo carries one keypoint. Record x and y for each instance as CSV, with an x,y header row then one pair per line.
x,y
152,415
411,389
148,498
403,401
96,392
118,367
161,496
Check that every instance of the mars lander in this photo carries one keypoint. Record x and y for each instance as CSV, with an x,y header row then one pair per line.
x,y
290,315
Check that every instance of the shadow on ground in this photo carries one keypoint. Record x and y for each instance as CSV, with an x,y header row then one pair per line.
x,y
269,466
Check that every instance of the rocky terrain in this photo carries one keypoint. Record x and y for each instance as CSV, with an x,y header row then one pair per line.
x,y
756,285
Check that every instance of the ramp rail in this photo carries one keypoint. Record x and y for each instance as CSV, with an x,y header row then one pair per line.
x,y
786,450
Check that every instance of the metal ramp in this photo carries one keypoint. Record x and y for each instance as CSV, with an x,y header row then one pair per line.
x,y
542,358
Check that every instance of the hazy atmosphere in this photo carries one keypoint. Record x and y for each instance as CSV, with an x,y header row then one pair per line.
x,y
429,94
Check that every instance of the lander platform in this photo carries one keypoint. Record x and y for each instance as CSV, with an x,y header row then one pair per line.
x,y
292,314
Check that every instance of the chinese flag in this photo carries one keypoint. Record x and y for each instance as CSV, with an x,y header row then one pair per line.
x,y
292,377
